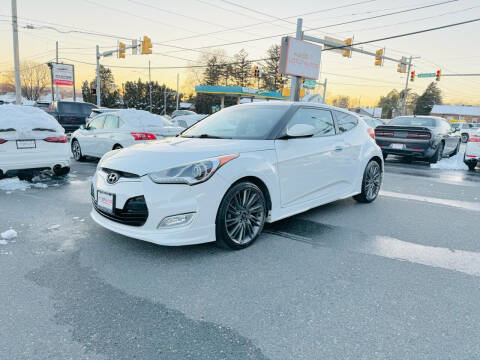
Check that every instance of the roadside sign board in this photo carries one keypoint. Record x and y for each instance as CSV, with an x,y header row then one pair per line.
x,y
426,75
300,58
62,74
309,83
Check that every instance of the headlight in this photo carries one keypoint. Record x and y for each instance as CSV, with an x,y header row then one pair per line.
x,y
192,173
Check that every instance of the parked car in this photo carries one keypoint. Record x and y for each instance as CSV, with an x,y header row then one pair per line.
x,y
227,175
372,122
116,130
186,121
182,112
31,139
421,137
70,114
44,105
465,130
472,151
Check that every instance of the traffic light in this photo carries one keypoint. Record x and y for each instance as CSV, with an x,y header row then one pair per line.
x,y
279,77
379,57
146,45
121,50
412,76
439,73
93,91
256,71
348,52
402,65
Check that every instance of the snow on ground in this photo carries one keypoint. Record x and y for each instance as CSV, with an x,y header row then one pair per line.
x,y
11,184
8,235
451,163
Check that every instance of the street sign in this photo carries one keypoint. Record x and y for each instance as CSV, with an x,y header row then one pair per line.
x,y
62,74
300,58
426,75
309,84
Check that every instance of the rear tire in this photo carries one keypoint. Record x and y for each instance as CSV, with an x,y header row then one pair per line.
x,y
62,171
77,151
472,164
438,154
455,152
241,216
372,180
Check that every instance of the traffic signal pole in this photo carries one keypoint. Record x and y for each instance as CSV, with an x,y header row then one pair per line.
x,y
404,105
16,56
295,86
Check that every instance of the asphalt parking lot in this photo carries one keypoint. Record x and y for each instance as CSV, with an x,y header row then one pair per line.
x,y
395,279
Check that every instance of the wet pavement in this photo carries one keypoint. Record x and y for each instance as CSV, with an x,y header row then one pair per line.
x,y
398,278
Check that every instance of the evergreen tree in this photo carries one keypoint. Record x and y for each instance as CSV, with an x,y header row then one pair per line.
x,y
241,68
110,96
270,74
212,73
430,97
390,103
136,95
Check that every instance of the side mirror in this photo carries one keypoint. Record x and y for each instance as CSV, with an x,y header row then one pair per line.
x,y
300,130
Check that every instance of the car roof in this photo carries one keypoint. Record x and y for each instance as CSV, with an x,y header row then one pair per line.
x,y
298,104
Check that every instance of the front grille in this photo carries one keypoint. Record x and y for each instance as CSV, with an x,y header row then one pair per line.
x,y
134,212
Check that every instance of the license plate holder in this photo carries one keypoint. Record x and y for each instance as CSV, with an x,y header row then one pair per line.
x,y
398,146
26,144
105,201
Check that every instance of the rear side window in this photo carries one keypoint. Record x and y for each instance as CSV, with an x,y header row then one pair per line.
x,y
345,122
75,108
111,122
320,119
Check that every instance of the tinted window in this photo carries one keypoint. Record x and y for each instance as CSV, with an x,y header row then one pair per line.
x,y
239,122
413,121
345,122
111,122
75,108
97,123
320,119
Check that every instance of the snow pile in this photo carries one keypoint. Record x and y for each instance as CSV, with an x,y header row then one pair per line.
x,y
14,184
9,234
451,163
25,118
143,118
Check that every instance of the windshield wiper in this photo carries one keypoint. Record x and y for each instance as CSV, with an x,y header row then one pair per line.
x,y
206,136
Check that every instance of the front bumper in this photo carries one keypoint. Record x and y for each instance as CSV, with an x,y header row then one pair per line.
x,y
163,200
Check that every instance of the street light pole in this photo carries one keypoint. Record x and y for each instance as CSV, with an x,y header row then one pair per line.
x,y
98,77
295,86
56,86
16,56
178,77
404,107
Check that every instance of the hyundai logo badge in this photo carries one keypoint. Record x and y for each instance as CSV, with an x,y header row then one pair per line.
x,y
112,178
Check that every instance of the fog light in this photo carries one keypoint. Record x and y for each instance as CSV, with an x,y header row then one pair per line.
x,y
176,220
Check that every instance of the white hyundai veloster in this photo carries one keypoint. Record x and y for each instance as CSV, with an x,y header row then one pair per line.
x,y
224,177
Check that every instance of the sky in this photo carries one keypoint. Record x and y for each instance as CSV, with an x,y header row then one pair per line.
x,y
183,31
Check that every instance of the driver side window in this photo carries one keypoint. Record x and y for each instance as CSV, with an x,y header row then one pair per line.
x,y
320,119
96,123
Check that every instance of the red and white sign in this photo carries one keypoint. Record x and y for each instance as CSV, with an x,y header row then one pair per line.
x,y
62,74
301,59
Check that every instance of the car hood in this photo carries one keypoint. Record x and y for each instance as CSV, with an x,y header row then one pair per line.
x,y
144,158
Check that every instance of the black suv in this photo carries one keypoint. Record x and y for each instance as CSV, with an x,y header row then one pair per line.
x,y
70,114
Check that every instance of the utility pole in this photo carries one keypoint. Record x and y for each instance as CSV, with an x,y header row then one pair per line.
x,y
178,77
16,57
404,107
324,90
98,77
150,84
164,99
56,86
295,86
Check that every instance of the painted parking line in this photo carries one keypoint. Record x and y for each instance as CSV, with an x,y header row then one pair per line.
x,y
465,205
345,239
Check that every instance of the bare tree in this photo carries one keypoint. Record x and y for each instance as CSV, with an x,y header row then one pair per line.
x,y
34,77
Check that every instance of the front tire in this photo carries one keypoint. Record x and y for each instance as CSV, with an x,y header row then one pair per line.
x,y
372,180
77,151
117,147
464,137
241,216
455,152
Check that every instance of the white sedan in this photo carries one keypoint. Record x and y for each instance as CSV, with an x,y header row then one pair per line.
x,y
472,150
116,130
227,175
31,139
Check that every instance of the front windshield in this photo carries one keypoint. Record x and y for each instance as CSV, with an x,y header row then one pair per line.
x,y
413,121
238,122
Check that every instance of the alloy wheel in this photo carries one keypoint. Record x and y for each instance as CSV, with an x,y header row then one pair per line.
x,y
245,216
77,152
373,181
